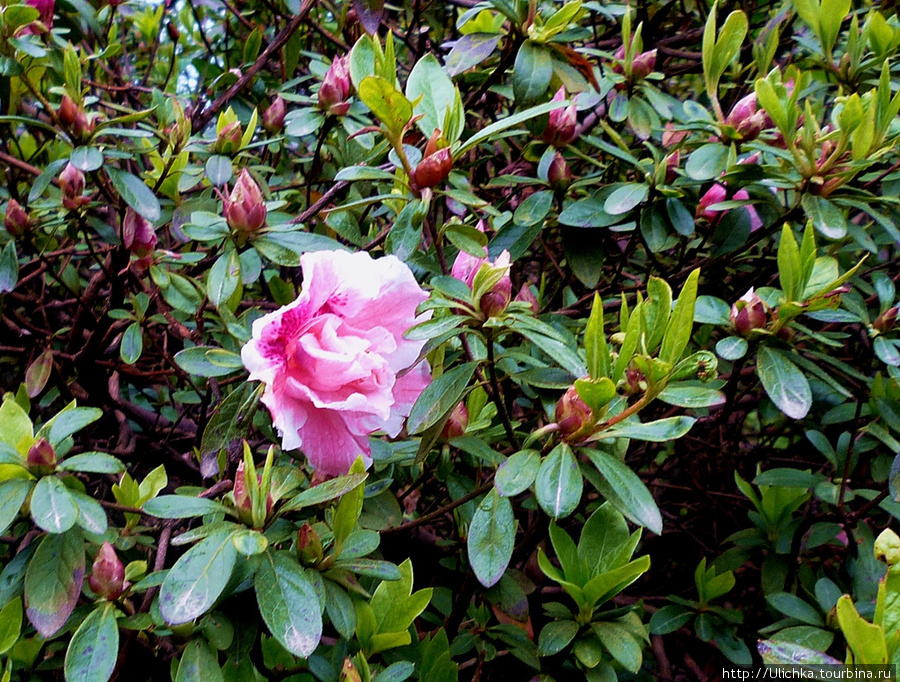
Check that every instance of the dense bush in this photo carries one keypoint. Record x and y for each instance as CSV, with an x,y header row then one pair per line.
x,y
438,341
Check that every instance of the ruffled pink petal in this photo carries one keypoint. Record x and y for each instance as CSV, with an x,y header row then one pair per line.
x,y
329,445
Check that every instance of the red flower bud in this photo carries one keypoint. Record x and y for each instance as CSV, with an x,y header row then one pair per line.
x,y
273,117
572,413
107,577
748,313
41,457
495,302
562,125
16,221
46,8
434,169
172,30
71,182
67,111
747,118
526,295
673,161
457,423
335,88
245,210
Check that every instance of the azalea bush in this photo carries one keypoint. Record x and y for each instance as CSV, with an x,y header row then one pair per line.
x,y
511,340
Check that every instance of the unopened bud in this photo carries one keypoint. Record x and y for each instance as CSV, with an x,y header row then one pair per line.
x,y
172,30
41,457
309,546
84,125
434,169
138,234
335,88
457,423
107,577
273,117
526,295
16,220
495,301
886,321
562,124
558,174
242,501
749,313
572,413
67,111
71,182
643,65
245,209
229,138
673,160
349,673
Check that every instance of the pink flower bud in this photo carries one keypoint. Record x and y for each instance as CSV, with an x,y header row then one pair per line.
x,y
714,195
67,111
245,210
16,220
138,236
41,457
336,88
107,577
526,295
747,118
46,8
71,182
309,546
273,117
748,313
643,65
572,413
83,125
457,423
558,174
886,321
495,301
563,123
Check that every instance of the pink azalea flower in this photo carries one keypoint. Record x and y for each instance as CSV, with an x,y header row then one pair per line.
x,y
335,363
716,195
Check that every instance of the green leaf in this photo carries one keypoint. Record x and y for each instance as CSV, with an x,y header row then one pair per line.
x,y
658,431
91,515
13,492
707,162
532,72
94,649
224,277
199,360
597,393
625,198
197,579
556,636
470,50
620,643
387,103
9,268
370,13
790,266
681,322
372,568
440,397
605,542
691,397
93,463
631,496
231,418
357,173
866,641
786,653
429,81
181,507
68,422
559,482
492,535
10,624
86,159
135,193
732,348
52,505
506,123
219,169
38,373
793,607
595,346
826,217
325,492
198,663
786,385
288,603
517,473
396,607
669,618
132,344
53,581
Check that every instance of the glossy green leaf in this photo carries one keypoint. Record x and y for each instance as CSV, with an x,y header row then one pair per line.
x,y
629,494
10,624
13,492
440,397
556,636
94,463
181,507
135,193
559,482
492,535
532,72
517,473
786,385
288,603
198,663
52,505
387,103
132,344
